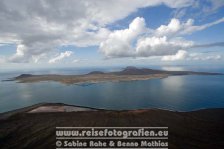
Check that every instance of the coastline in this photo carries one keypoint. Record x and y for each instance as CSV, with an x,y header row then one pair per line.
x,y
127,74
37,108
91,79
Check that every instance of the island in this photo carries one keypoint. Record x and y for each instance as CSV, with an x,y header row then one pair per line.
x,y
127,74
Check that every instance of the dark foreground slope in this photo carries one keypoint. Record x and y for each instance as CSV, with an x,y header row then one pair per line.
x,y
190,130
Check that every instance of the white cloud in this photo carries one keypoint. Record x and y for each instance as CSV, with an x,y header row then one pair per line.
x,y
175,27
139,41
119,42
180,55
159,46
190,29
60,57
200,56
184,55
135,42
41,26
19,55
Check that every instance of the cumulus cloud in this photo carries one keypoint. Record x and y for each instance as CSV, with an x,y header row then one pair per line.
x,y
200,56
60,57
119,42
135,42
159,46
184,55
175,27
38,27
139,41
19,55
180,55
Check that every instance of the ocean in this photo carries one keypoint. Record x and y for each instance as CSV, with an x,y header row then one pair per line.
x,y
178,93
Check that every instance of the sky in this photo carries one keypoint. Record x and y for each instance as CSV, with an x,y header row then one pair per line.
x,y
90,33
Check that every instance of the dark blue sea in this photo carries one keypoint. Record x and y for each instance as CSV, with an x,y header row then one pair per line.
x,y
179,93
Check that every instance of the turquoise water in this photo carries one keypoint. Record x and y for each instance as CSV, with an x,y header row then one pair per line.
x,y
181,93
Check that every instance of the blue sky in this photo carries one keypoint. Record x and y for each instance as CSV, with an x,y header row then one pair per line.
x,y
86,33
